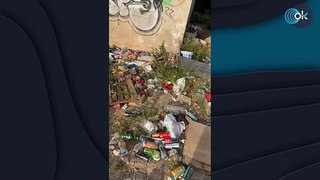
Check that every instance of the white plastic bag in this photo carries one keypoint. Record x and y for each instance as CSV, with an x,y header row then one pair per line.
x,y
179,86
173,127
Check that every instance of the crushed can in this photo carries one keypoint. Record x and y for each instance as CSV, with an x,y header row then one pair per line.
x,y
172,146
178,172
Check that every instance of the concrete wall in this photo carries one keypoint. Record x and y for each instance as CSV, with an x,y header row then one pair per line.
x,y
144,24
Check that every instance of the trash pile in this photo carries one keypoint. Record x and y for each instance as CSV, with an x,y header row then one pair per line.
x,y
196,45
154,101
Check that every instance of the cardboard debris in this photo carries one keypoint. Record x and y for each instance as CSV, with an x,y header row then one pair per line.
x,y
198,143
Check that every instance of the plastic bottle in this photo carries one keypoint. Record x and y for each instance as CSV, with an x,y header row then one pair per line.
x,y
152,153
148,152
123,147
164,154
129,137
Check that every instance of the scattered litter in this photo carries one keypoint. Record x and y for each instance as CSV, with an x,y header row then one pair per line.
x,y
149,126
172,152
175,128
154,109
172,146
177,172
190,114
148,68
123,147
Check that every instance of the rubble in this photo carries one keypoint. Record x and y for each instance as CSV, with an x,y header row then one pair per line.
x,y
153,110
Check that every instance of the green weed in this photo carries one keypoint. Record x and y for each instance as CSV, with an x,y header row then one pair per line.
x,y
119,164
200,52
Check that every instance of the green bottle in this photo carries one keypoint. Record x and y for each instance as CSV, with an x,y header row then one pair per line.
x,y
148,152
152,153
129,137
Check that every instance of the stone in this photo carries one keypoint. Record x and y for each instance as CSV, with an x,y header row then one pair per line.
x,y
112,142
116,152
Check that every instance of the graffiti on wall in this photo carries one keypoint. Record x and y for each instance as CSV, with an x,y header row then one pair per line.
x,y
144,16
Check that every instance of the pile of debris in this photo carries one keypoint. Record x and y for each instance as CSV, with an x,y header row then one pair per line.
x,y
136,84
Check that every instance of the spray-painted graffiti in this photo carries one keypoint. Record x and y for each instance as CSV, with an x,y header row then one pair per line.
x,y
145,16
169,12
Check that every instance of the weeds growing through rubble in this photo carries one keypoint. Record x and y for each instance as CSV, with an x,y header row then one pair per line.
x,y
200,52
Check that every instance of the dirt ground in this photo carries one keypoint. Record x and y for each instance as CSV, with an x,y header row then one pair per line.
x,y
153,169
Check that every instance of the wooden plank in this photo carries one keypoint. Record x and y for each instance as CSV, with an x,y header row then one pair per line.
x,y
131,89
123,93
198,142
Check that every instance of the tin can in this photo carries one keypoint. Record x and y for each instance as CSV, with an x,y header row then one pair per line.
x,y
170,141
162,135
150,145
178,171
172,146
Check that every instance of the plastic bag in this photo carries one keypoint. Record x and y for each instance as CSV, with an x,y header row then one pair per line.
x,y
173,127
